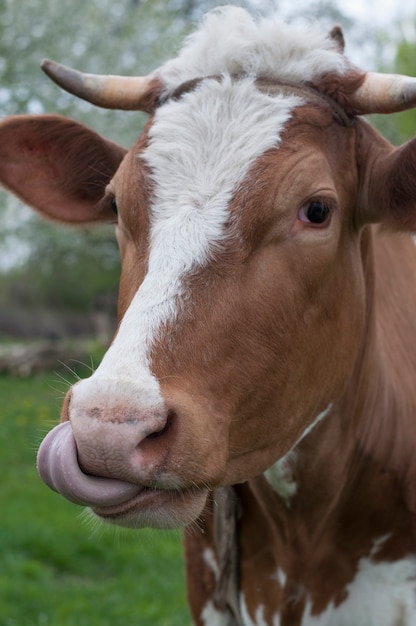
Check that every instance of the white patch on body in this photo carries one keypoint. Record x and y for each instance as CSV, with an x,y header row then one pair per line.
x,y
280,474
315,422
281,577
213,617
381,594
200,150
379,543
231,41
259,618
209,558
280,477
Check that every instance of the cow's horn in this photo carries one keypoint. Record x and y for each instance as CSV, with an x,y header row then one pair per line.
x,y
110,92
384,93
337,36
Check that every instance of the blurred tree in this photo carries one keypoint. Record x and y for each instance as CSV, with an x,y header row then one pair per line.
x,y
399,127
61,266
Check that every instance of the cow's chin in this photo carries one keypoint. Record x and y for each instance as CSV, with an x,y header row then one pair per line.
x,y
156,508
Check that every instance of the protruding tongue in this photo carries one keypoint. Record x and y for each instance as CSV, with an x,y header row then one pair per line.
x,y
58,467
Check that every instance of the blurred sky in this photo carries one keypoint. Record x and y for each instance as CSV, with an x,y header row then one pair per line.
x,y
372,17
376,11
383,14
379,10
379,14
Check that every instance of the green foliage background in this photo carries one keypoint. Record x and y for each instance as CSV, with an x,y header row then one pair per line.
x,y
56,567
400,127
71,268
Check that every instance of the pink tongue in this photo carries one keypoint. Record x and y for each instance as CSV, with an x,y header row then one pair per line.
x,y
58,467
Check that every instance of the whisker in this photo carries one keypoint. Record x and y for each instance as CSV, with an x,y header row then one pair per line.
x,y
63,379
91,367
73,372
62,393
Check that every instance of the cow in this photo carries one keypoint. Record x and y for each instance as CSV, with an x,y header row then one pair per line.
x,y
260,389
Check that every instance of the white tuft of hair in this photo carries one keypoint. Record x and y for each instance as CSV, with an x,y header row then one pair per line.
x,y
231,41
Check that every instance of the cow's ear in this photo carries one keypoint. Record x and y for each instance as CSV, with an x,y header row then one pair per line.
x,y
388,193
57,166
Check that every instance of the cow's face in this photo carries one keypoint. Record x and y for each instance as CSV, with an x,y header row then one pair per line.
x,y
243,294
246,263
241,298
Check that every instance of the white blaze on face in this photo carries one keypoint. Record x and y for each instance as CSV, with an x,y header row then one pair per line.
x,y
200,150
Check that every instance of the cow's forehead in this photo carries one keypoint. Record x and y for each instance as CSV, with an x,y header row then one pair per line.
x,y
200,150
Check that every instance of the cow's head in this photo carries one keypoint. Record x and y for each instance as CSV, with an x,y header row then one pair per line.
x,y
241,216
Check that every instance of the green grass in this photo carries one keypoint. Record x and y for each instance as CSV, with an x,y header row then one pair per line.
x,y
56,567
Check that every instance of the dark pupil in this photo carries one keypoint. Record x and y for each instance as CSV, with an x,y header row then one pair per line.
x,y
114,206
317,212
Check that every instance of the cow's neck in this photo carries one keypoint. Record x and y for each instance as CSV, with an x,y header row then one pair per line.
x,y
338,497
369,426
369,429
379,408
336,500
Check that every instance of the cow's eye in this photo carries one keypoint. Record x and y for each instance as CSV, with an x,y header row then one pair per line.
x,y
315,212
114,206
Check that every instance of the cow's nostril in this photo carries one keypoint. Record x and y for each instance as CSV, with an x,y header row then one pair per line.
x,y
166,427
